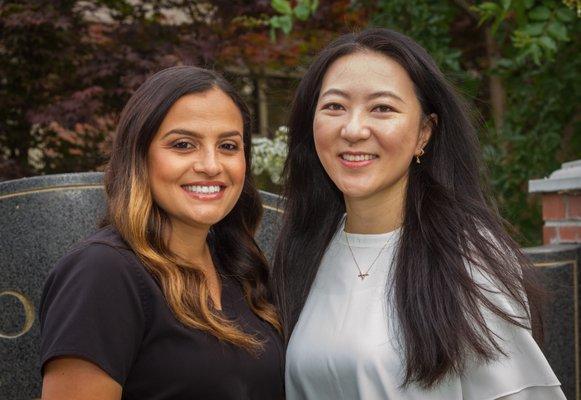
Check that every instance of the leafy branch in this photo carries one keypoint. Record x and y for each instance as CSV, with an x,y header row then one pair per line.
x,y
538,31
287,14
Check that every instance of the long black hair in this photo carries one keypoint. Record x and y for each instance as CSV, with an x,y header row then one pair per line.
x,y
144,225
448,221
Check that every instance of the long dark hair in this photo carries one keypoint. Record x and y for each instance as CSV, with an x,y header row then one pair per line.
x,y
448,221
145,226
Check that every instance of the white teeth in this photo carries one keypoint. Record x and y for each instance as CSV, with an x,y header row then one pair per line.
x,y
359,157
202,189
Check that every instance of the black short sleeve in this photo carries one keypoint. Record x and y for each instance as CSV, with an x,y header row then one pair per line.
x,y
101,304
92,307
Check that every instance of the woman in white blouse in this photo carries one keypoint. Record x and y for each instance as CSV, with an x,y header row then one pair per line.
x,y
393,274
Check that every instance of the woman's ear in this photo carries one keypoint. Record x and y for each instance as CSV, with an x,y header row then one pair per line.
x,y
429,124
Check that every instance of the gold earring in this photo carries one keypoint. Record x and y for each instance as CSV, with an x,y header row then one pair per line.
x,y
419,155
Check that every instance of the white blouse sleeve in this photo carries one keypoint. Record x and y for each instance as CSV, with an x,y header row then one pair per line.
x,y
536,393
523,373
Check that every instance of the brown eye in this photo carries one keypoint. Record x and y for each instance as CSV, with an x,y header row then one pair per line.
x,y
183,145
229,146
382,108
333,107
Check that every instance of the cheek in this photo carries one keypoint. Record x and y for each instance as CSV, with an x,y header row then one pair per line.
x,y
398,138
237,168
323,137
164,173
165,169
154,170
156,181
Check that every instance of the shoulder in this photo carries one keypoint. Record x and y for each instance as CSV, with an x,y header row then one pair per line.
x,y
99,273
96,305
106,240
100,263
494,261
104,251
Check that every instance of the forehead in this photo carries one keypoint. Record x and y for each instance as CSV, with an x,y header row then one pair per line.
x,y
212,108
368,71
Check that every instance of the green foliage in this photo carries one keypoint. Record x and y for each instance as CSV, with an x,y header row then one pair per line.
x,y
282,22
574,5
302,11
428,22
539,28
532,142
536,62
538,67
64,78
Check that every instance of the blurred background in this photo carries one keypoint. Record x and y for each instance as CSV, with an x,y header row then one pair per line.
x,y
68,67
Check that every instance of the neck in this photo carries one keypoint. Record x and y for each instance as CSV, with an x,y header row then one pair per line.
x,y
189,243
381,212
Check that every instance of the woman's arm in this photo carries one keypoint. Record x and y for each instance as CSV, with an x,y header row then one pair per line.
x,y
92,323
76,379
537,393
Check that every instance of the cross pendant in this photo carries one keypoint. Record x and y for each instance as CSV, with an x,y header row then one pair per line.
x,y
362,275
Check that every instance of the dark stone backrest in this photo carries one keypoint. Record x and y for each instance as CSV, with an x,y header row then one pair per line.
x,y
40,218
558,269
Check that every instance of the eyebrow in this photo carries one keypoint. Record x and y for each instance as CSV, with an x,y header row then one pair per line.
x,y
198,135
374,95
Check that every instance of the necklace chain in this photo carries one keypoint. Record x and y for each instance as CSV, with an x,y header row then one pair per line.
x,y
361,274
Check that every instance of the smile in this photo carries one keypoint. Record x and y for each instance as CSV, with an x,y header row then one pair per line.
x,y
205,191
356,160
202,189
357,157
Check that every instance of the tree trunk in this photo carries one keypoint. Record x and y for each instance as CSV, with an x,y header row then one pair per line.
x,y
262,106
496,88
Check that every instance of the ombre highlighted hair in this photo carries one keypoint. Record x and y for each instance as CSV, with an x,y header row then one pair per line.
x,y
145,226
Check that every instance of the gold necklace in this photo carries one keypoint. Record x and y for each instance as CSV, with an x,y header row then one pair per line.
x,y
361,274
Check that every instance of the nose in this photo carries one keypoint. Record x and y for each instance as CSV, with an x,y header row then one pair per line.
x,y
207,163
355,128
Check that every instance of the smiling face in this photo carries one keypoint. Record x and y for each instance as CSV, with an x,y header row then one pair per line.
x,y
368,125
196,161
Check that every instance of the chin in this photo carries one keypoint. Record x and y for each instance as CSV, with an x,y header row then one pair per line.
x,y
358,196
356,192
205,219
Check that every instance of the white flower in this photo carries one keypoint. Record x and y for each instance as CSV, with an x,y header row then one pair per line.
x,y
269,154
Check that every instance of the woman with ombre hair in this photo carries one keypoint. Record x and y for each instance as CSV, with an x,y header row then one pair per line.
x,y
393,274
168,300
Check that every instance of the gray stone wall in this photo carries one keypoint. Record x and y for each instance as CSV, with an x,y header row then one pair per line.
x,y
558,268
558,262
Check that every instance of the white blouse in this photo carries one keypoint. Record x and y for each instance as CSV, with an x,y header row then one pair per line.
x,y
344,345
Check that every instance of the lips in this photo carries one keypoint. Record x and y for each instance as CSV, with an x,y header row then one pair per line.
x,y
357,156
357,160
202,189
205,190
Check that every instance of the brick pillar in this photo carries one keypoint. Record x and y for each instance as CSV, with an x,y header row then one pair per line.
x,y
561,198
